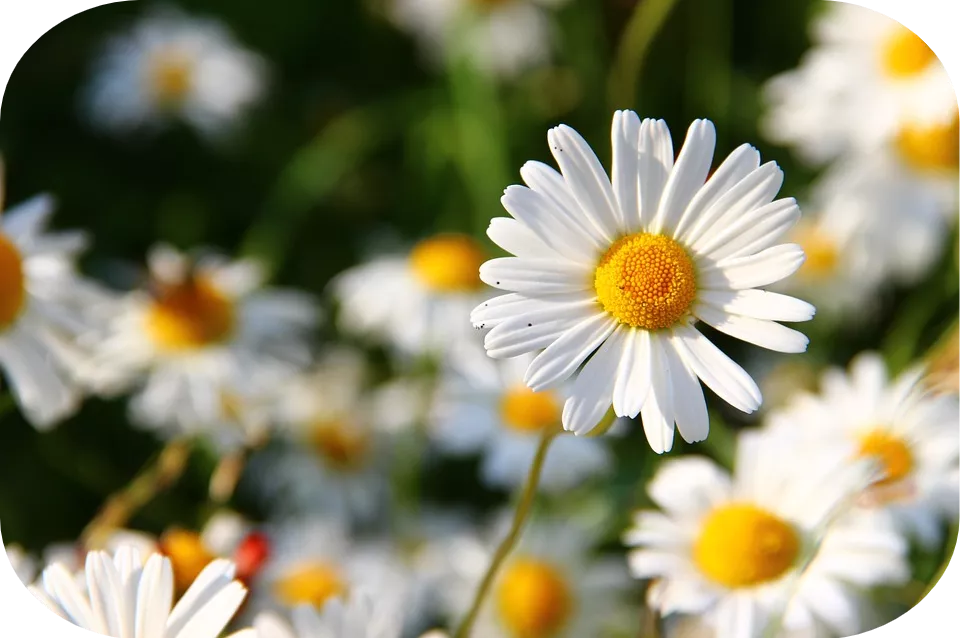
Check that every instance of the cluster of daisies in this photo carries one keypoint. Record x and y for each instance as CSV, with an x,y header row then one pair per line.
x,y
616,287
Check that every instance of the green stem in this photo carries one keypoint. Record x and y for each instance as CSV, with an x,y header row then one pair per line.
x,y
947,555
510,540
644,24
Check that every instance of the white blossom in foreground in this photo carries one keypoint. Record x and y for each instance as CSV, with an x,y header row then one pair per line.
x,y
46,307
358,617
867,81
908,430
170,66
125,596
614,276
501,37
773,545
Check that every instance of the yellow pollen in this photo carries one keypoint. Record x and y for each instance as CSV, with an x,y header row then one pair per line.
x,y
448,263
534,599
905,54
822,255
12,290
890,451
170,77
524,410
344,447
646,281
934,147
311,584
742,545
188,556
190,315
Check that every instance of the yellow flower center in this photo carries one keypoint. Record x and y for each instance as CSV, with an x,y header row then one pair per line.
x,y
646,281
534,599
188,556
890,451
448,263
822,254
311,584
524,410
170,77
342,446
12,290
190,315
742,545
934,147
905,54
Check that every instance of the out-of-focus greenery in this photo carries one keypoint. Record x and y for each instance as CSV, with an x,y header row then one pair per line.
x,y
356,139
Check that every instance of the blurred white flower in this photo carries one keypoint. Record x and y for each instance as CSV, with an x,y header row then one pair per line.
x,y
170,65
501,37
910,432
358,617
124,594
613,276
488,409
24,565
418,303
46,307
775,543
207,343
867,81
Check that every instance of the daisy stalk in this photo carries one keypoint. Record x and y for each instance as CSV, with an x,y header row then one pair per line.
x,y
644,24
510,540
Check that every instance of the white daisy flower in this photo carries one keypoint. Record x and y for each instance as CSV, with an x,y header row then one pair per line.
x,y
204,340
911,433
867,81
622,271
552,584
501,37
45,308
418,303
23,564
492,412
357,617
124,594
772,544
171,66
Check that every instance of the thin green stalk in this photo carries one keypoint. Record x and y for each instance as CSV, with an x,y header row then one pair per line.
x,y
510,540
947,555
644,24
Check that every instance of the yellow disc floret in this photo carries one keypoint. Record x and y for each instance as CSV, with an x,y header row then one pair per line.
x,y
524,410
931,147
188,556
170,77
310,584
534,599
12,290
189,315
822,253
742,545
448,263
343,447
905,54
646,281
890,451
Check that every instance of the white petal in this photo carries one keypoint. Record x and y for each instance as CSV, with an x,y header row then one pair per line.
x,y
154,596
517,239
657,410
590,396
514,306
689,405
214,578
655,163
633,375
564,356
535,276
689,486
625,139
511,338
758,304
761,269
765,334
62,588
757,230
687,177
213,616
585,177
551,224
547,182
718,371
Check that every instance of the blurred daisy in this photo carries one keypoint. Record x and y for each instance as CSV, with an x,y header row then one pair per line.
x,y
45,308
23,564
173,66
207,342
772,544
898,423
357,617
551,585
124,594
492,412
418,303
622,271
868,80
501,37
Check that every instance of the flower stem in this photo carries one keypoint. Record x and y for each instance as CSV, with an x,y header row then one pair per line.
x,y
510,540
644,24
159,474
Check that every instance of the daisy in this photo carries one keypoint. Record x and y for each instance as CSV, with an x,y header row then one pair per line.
x,y
23,564
911,433
172,66
207,344
357,617
867,81
622,271
419,302
123,594
772,544
552,585
492,412
46,306
501,37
